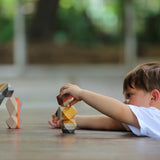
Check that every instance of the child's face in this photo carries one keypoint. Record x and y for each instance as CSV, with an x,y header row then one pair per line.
x,y
137,97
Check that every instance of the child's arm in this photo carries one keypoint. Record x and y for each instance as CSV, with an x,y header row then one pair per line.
x,y
106,105
91,122
101,122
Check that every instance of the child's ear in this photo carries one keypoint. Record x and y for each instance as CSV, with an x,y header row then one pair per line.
x,y
155,96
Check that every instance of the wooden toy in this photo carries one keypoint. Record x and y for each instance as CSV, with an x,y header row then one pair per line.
x,y
5,91
64,100
3,87
13,106
68,126
65,113
59,112
13,122
69,112
9,92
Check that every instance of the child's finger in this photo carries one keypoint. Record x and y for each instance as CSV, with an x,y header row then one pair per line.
x,y
59,123
73,102
54,121
52,124
54,116
64,87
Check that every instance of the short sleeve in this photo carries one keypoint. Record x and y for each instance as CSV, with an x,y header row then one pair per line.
x,y
149,121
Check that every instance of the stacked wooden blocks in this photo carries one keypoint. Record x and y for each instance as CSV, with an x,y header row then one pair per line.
x,y
13,106
65,113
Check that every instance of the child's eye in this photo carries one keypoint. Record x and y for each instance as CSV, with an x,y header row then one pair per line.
x,y
128,95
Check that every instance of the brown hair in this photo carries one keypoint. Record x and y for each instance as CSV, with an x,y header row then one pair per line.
x,y
145,76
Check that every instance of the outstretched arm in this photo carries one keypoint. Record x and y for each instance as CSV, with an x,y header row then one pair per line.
x,y
106,105
99,122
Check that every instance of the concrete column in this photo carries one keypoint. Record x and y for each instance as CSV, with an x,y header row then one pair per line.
x,y
19,39
130,43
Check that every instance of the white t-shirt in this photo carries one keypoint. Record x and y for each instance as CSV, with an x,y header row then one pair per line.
x,y
149,121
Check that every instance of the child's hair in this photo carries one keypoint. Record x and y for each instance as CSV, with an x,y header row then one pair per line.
x,y
145,76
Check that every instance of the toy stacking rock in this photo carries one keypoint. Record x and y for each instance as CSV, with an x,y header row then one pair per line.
x,y
64,100
13,106
5,91
65,113
69,126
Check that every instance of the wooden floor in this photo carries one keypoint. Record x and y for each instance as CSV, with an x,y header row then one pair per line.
x,y
37,141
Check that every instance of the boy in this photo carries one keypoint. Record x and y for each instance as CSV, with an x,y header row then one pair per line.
x,y
140,113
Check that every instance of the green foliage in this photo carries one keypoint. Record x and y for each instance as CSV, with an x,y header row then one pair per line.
x,y
83,22
7,11
101,21
90,21
6,29
8,7
75,27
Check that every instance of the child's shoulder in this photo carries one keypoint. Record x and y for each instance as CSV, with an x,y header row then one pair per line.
x,y
148,119
150,112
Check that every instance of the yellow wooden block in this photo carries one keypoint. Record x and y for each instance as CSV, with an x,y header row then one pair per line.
x,y
69,112
69,121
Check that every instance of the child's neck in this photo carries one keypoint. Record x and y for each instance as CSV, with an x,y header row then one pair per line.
x,y
157,106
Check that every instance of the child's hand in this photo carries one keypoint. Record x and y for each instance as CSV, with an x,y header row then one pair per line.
x,y
55,121
73,90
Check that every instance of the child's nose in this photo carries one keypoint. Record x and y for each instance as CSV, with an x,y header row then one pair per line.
x,y
126,101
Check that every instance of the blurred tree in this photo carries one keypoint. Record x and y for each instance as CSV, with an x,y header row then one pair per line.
x,y
74,27
153,28
64,20
88,22
44,20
